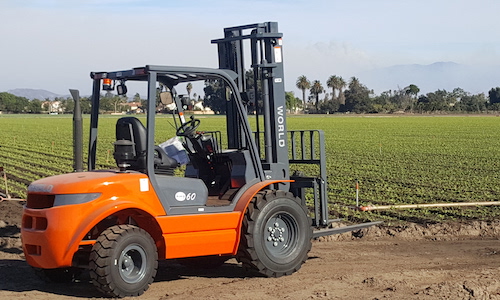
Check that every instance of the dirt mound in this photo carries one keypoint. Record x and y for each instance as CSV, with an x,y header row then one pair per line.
x,y
413,231
487,288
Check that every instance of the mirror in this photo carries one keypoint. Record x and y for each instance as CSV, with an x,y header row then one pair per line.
x,y
121,89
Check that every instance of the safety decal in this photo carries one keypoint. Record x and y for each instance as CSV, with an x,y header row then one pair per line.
x,y
144,184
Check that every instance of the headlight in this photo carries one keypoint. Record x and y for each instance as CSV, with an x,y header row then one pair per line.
x,y
69,199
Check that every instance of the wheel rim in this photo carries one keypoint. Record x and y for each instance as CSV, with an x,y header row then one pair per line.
x,y
281,234
132,263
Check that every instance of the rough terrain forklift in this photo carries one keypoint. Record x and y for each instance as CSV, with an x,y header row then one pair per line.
x,y
237,197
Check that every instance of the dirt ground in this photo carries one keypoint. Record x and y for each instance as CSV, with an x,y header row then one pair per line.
x,y
440,261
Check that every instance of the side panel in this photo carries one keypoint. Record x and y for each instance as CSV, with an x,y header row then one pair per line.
x,y
181,191
200,235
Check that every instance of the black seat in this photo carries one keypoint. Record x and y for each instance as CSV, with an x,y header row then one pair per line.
x,y
130,128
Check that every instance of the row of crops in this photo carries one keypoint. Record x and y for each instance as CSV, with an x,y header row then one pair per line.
x,y
397,160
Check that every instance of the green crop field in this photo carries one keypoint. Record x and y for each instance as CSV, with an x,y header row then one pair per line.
x,y
397,160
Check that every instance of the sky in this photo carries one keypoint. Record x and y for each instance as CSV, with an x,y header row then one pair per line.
x,y
54,45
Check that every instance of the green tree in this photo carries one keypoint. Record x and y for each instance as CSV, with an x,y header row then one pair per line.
x,y
494,95
303,84
106,103
316,89
18,105
86,106
255,104
6,100
383,103
434,101
68,105
357,97
35,106
12,103
118,101
137,98
329,105
412,90
215,95
473,103
292,102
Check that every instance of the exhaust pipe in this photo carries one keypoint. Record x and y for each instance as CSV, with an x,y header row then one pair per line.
x,y
77,133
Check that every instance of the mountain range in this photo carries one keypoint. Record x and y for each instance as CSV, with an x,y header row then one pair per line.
x,y
432,77
35,94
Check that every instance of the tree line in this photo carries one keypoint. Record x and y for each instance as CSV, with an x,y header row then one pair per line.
x,y
10,103
355,97
339,96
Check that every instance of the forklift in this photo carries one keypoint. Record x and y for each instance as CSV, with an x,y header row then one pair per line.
x,y
236,197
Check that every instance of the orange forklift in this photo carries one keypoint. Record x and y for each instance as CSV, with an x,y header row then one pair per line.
x,y
236,198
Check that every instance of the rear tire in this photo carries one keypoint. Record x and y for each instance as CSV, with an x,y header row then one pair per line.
x,y
276,234
123,261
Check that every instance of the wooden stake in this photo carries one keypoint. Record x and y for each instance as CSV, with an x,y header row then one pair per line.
x,y
5,179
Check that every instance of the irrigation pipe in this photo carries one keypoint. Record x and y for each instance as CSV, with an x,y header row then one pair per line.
x,y
10,199
384,207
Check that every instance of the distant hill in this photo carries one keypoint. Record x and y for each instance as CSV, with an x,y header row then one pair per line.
x,y
34,94
429,78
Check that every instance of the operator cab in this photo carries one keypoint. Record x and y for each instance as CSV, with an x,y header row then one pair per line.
x,y
191,170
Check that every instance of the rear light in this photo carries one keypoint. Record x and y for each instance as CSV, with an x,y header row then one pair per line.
x,y
34,223
33,249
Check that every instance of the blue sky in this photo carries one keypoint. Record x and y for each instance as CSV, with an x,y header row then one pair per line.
x,y
54,45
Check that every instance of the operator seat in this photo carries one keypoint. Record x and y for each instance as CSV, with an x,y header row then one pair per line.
x,y
130,128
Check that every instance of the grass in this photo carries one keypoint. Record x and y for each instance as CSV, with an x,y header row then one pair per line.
x,y
397,160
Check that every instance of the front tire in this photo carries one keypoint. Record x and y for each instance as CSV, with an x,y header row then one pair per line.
x,y
123,261
276,234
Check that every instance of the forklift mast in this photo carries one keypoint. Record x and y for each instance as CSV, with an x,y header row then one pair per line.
x,y
268,92
266,98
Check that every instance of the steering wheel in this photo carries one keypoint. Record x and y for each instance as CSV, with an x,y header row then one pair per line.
x,y
188,129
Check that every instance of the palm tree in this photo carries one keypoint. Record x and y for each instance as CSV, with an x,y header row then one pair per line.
x,y
303,84
340,85
354,83
316,89
332,82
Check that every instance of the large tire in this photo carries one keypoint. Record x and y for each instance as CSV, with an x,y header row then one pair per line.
x,y
123,261
276,234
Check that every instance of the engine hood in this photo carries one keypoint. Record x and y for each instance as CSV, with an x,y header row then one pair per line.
x,y
89,182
